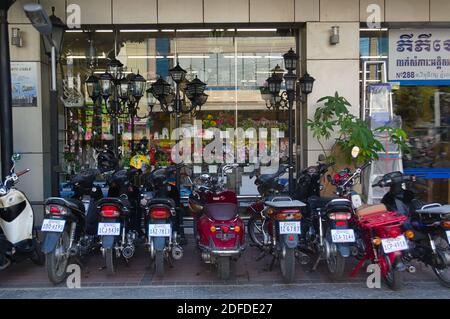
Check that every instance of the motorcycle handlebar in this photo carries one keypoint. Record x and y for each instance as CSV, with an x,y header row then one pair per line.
x,y
395,180
365,165
23,172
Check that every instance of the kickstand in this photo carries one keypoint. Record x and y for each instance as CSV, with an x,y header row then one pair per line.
x,y
261,256
314,267
272,263
79,262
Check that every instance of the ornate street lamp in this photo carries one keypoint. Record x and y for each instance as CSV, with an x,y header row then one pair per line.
x,y
93,87
306,84
175,102
290,60
177,73
276,101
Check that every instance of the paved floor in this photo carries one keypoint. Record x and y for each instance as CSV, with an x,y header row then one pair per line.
x,y
191,278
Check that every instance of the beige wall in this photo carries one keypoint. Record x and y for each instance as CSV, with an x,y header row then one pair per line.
x,y
335,68
241,11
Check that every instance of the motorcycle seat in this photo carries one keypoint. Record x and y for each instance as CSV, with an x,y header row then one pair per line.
x,y
221,211
434,209
268,178
164,201
338,205
70,203
370,209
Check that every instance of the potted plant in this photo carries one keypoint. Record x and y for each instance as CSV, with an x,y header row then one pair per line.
x,y
334,117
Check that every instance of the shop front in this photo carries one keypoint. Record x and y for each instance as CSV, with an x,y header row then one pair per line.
x,y
418,65
233,63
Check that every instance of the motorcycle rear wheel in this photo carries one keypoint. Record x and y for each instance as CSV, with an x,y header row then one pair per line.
x,y
393,278
255,230
287,265
336,266
110,261
56,261
223,267
159,263
443,275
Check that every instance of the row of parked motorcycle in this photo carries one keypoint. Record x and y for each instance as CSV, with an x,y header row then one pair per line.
x,y
143,207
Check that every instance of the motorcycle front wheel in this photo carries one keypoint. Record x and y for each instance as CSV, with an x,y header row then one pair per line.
x,y
443,274
287,265
37,256
159,263
110,261
223,267
393,278
56,261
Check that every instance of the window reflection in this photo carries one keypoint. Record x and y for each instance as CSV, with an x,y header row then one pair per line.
x,y
233,65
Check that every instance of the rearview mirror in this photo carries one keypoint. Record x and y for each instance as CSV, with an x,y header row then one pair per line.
x,y
16,157
321,158
355,151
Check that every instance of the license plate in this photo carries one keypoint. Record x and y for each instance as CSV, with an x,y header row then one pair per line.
x,y
159,230
108,229
290,228
53,225
343,235
394,244
225,236
448,236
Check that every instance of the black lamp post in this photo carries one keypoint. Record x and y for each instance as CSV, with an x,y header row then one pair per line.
x,y
276,101
176,103
121,95
6,127
290,63
136,85
52,29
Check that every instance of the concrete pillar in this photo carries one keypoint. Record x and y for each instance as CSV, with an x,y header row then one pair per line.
x,y
30,124
335,68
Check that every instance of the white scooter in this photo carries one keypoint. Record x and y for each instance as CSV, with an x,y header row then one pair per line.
x,y
18,238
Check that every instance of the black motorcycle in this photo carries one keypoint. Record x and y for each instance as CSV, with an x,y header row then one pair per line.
x,y
275,224
329,233
119,218
431,224
69,225
162,208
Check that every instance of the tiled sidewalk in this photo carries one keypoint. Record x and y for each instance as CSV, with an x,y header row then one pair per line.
x,y
189,270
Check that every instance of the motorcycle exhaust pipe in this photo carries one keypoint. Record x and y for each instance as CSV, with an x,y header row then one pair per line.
x,y
303,259
411,269
73,251
177,252
128,251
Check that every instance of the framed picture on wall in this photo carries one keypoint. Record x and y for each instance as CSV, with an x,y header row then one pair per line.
x,y
24,84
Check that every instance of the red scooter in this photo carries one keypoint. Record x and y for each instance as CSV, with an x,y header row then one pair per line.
x,y
218,229
385,242
383,237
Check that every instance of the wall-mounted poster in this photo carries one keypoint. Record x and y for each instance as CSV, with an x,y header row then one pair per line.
x,y
419,56
24,83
